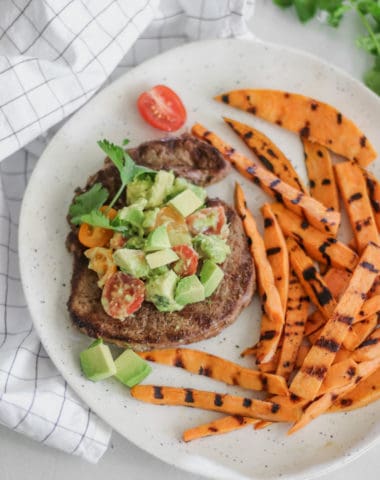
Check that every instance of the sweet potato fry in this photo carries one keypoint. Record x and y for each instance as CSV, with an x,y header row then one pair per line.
x,y
310,279
217,368
310,118
321,174
295,319
367,391
338,375
337,280
302,352
369,349
341,355
323,403
373,188
370,307
318,215
273,321
314,322
270,367
217,427
359,332
313,371
321,247
277,253
268,153
231,404
353,189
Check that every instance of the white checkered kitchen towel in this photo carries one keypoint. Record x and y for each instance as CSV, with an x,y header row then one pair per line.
x,y
54,55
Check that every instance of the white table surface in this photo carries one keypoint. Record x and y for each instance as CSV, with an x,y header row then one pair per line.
x,y
21,458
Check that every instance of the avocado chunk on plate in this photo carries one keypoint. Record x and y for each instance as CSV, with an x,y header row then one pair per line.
x,y
131,369
158,239
97,362
186,202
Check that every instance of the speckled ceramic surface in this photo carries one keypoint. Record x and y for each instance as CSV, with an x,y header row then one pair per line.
x,y
197,72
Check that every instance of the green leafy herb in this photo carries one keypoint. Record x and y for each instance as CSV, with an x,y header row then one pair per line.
x,y
369,14
85,208
91,200
128,170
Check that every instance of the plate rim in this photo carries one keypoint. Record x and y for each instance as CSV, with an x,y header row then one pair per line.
x,y
312,472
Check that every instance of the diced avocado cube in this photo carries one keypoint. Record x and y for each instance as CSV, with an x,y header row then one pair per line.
x,y
189,290
158,239
150,218
160,258
97,362
186,202
131,369
163,182
181,184
132,215
160,290
179,236
212,247
211,275
132,262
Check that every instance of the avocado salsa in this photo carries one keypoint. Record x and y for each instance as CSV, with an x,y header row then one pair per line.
x,y
165,246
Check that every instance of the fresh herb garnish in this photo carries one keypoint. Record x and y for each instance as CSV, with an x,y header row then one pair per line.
x,y
85,208
87,202
369,14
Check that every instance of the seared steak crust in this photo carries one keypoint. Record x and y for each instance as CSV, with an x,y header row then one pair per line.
x,y
148,328
187,156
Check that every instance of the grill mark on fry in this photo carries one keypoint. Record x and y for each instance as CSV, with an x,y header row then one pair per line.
x,y
345,319
178,361
363,141
318,372
326,181
345,402
218,402
369,266
213,429
275,408
189,398
225,99
368,342
268,335
267,164
339,118
273,251
157,392
355,196
268,222
328,344
247,402
247,135
274,183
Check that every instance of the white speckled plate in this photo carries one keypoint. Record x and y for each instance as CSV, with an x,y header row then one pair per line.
x,y
197,72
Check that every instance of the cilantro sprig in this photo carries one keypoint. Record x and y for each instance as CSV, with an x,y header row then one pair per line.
x,y
86,206
369,13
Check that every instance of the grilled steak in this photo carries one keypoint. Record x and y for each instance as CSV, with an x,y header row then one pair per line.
x,y
187,156
148,328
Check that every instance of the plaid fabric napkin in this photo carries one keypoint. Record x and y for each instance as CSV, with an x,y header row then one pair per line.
x,y
54,55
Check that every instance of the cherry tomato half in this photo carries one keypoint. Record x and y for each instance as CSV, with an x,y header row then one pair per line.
x,y
188,260
162,108
209,220
96,236
122,295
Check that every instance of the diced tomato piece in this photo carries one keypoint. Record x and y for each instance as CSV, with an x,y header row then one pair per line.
x,y
122,295
209,220
162,108
96,236
188,260
101,262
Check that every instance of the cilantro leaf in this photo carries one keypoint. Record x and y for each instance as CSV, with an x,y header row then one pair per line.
x,y
120,158
86,202
306,9
283,3
97,219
